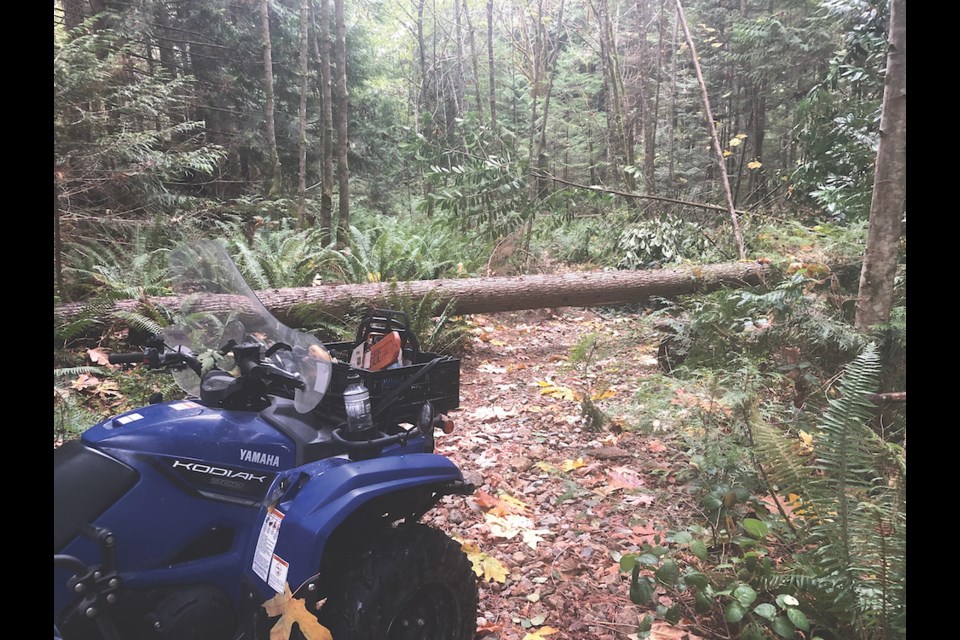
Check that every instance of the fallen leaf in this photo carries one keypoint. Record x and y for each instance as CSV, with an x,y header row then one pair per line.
x,y
484,565
656,446
548,388
623,480
293,610
512,525
806,441
502,506
570,465
542,632
98,356
486,367
603,395
665,631
85,381
493,414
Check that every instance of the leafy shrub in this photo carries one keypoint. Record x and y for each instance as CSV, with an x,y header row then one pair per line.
x,y
661,241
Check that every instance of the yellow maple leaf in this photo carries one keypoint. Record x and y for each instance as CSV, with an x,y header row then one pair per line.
x,y
603,395
735,142
806,441
570,465
518,504
546,467
741,136
754,164
484,565
727,154
542,632
548,388
292,610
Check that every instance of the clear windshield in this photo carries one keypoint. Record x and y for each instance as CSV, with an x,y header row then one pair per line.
x,y
219,306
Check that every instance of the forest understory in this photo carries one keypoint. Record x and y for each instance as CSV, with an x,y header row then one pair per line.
x,y
584,495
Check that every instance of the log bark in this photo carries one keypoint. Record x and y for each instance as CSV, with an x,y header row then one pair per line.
x,y
489,295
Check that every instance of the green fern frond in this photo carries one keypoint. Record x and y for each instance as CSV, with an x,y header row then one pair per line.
x,y
73,372
780,458
139,321
860,540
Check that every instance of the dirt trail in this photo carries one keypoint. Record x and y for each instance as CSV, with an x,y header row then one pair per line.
x,y
557,501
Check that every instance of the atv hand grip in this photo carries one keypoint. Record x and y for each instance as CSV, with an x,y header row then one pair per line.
x,y
127,358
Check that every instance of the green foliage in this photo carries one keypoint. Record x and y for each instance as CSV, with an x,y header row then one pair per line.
x,y
396,251
117,269
838,120
724,329
437,329
477,191
854,510
124,144
660,241
732,587
279,256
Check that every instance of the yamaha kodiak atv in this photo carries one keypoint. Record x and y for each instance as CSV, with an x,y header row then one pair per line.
x,y
181,519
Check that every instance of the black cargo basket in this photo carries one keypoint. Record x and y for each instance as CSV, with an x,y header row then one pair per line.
x,y
440,385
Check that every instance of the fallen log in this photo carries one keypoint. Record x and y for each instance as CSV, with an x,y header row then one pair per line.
x,y
489,295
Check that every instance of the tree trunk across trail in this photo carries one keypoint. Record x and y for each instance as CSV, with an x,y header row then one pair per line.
x,y
490,295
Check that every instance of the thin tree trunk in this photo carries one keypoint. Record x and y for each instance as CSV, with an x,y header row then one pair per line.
x,y
459,91
550,69
647,113
671,157
57,241
721,162
475,65
302,182
888,203
343,170
423,96
326,197
275,177
491,68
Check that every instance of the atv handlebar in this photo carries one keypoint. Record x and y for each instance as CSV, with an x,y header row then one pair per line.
x,y
127,358
158,355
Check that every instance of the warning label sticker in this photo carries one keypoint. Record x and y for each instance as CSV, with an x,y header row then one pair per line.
x,y
278,573
183,406
266,543
129,418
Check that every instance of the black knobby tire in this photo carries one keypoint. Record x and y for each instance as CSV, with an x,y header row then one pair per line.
x,y
410,583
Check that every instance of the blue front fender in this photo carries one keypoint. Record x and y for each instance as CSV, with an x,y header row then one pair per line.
x,y
316,498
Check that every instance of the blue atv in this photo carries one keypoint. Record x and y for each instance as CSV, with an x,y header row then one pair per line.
x,y
286,471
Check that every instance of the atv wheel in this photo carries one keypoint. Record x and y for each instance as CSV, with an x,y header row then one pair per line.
x,y
411,583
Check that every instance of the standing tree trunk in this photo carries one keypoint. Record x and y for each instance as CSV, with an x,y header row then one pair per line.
x,y
423,105
302,174
889,183
57,241
713,134
475,65
275,183
326,197
621,136
645,100
459,90
671,156
491,68
343,170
